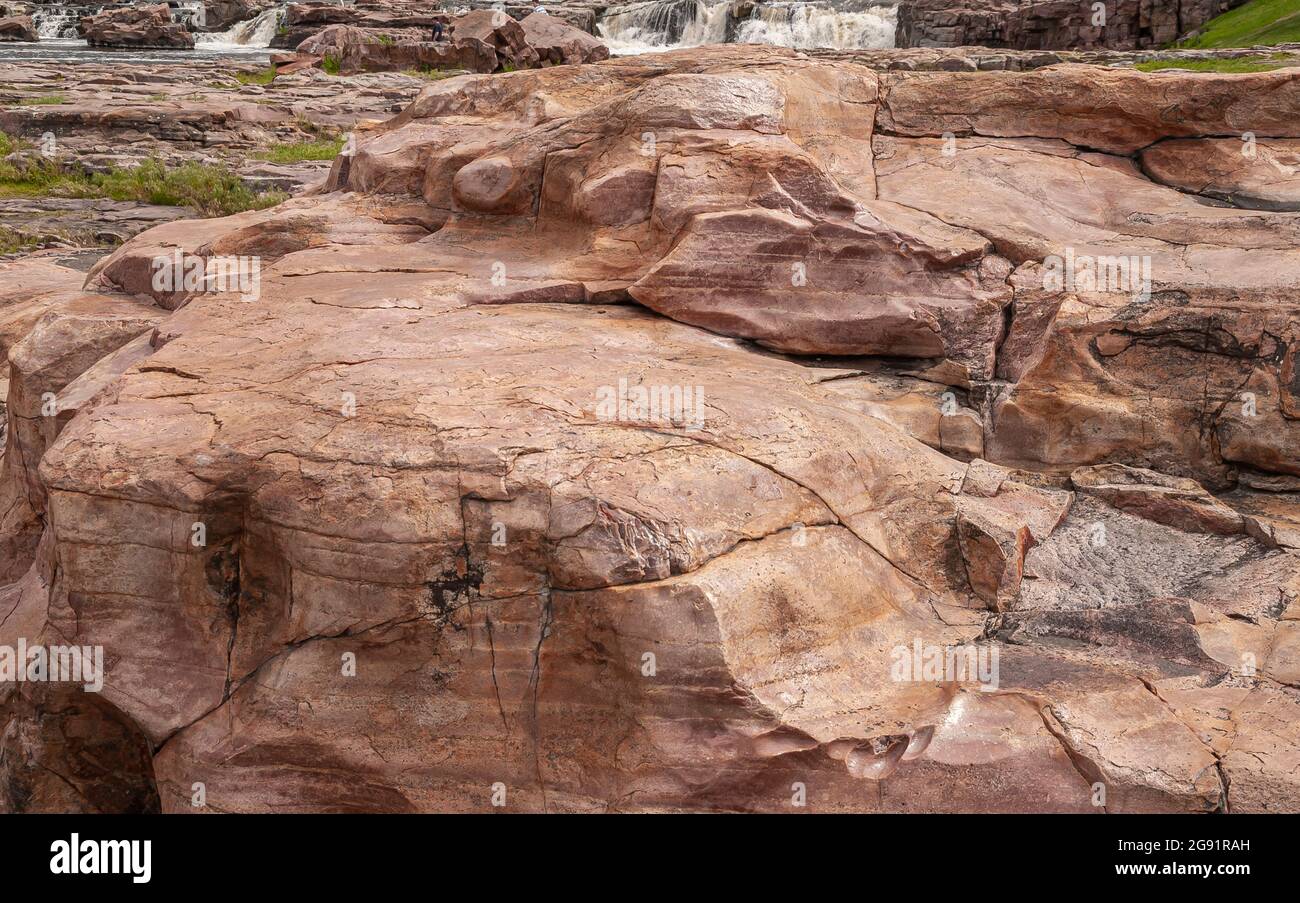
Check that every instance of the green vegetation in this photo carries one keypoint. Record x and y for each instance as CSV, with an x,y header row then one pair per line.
x,y
257,77
433,74
211,190
16,241
42,100
386,39
35,176
1257,22
300,151
330,65
1241,64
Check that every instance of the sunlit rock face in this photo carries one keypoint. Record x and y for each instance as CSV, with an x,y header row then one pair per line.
x,y
720,430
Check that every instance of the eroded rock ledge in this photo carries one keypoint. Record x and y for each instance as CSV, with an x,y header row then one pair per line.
x,y
907,438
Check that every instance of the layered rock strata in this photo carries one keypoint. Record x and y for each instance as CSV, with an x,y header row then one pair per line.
x,y
135,26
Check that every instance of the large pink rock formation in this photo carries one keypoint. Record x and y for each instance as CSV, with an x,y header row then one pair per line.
x,y
634,436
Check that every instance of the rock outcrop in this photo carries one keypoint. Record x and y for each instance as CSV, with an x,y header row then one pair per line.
x,y
715,430
135,26
219,15
114,117
480,41
1053,24
303,20
558,42
17,28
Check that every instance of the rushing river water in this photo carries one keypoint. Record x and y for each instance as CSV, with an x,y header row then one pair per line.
x,y
71,50
656,25
57,27
628,28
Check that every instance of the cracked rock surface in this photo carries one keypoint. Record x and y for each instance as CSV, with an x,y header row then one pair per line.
x,y
435,558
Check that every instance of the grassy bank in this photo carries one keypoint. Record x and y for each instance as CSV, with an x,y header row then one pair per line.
x,y
1257,22
302,151
1243,64
211,190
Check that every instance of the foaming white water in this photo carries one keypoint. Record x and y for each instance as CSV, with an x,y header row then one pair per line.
x,y
55,22
805,27
252,33
669,24
664,25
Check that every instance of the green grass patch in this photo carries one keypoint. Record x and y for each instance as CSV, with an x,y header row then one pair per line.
x,y
211,190
302,151
433,74
42,100
331,65
14,242
258,77
17,241
1257,22
35,176
1237,65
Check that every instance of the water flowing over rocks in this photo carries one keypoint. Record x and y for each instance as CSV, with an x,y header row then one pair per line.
x,y
404,526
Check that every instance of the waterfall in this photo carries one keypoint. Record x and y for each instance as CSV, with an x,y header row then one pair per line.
x,y
664,24
250,33
806,25
668,24
188,12
52,22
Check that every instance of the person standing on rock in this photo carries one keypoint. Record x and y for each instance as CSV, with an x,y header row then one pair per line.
x,y
437,31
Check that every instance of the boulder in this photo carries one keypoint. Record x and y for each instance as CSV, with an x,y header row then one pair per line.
x,y
219,15
492,30
17,28
135,26
558,42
